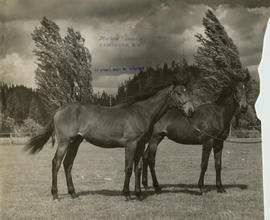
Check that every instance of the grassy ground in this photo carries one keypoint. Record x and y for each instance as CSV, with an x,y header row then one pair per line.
x,y
98,176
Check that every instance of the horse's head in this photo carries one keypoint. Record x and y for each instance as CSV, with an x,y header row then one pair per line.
x,y
241,93
181,99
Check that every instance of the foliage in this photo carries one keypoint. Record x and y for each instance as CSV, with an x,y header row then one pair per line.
x,y
217,57
7,124
148,80
19,103
28,126
36,111
104,99
63,74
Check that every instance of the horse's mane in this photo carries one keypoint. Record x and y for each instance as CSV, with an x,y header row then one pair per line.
x,y
190,77
129,100
225,93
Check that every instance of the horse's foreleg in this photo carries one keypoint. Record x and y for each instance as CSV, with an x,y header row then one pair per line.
x,y
137,172
129,159
56,163
206,150
145,169
218,147
68,163
138,169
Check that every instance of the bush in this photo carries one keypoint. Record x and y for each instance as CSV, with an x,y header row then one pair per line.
x,y
244,133
29,126
7,124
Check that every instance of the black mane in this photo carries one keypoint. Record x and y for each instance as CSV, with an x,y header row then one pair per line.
x,y
226,92
129,100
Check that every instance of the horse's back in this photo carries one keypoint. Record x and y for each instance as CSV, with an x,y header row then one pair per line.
x,y
98,124
184,130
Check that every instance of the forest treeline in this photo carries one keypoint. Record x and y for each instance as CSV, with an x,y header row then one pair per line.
x,y
19,103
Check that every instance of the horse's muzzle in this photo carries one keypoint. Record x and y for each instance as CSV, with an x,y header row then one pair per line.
x,y
243,109
190,113
188,109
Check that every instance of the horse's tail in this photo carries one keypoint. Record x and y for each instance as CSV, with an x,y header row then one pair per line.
x,y
37,142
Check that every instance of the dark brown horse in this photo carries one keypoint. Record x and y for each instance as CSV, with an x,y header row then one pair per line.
x,y
209,126
125,125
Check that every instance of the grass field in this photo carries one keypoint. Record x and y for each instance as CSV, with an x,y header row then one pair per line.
x,y
98,176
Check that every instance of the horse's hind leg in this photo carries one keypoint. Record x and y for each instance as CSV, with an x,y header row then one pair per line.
x,y
68,163
206,150
218,146
144,164
56,163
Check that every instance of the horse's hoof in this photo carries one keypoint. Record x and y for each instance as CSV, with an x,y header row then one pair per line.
x,y
203,191
127,198
221,190
55,197
158,190
139,197
74,195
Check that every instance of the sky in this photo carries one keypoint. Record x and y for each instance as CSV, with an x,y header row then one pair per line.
x,y
126,34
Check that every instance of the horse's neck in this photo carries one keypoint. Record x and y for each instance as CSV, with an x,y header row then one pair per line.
x,y
228,107
156,105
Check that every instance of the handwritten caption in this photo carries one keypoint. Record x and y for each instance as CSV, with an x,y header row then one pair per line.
x,y
118,69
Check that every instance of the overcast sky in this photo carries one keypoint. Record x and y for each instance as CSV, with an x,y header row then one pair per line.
x,y
144,33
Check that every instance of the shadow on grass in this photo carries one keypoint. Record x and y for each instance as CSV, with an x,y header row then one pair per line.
x,y
191,189
209,187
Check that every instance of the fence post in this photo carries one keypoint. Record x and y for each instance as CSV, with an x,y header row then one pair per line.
x,y
230,132
10,138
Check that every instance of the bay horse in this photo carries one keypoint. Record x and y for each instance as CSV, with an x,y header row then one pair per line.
x,y
122,126
209,126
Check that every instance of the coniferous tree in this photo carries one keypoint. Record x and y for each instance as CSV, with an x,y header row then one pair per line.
x,y
34,111
14,109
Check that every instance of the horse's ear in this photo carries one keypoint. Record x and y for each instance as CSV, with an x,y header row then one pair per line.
x,y
244,76
247,76
174,80
237,78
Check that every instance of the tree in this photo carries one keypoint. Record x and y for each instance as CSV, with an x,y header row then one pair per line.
x,y
7,124
63,74
121,92
28,126
14,108
35,113
217,56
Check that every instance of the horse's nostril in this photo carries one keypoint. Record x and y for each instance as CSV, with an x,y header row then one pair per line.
x,y
190,111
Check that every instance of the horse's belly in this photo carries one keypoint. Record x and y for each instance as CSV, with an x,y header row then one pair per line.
x,y
104,143
186,140
103,139
181,132
184,136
